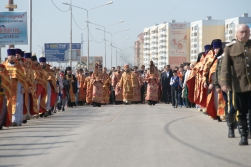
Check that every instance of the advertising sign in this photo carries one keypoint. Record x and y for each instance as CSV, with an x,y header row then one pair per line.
x,y
92,61
13,28
60,52
178,39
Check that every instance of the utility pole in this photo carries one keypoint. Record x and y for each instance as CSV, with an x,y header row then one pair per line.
x,y
30,39
81,54
11,7
71,37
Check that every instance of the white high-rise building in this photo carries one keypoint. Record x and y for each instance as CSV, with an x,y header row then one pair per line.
x,y
202,33
166,44
231,25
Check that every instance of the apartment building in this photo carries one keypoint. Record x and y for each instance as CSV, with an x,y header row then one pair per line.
x,y
166,43
138,50
231,25
202,33
174,43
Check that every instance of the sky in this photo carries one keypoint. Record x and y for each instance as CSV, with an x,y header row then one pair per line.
x,y
50,25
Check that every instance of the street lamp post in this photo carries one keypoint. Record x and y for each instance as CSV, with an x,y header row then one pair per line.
x,y
104,27
87,10
111,40
119,49
71,38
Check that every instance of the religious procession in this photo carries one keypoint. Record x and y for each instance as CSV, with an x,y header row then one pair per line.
x,y
218,85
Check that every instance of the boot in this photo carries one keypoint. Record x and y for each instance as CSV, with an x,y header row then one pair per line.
x,y
249,135
231,123
231,132
244,132
46,114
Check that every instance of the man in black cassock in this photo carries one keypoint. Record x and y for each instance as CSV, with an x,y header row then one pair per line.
x,y
70,84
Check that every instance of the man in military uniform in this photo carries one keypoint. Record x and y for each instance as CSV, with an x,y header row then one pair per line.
x,y
236,75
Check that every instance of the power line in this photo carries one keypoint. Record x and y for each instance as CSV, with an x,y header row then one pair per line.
x,y
77,24
94,39
60,9
37,30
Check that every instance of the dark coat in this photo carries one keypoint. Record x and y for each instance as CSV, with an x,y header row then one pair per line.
x,y
236,67
165,81
67,83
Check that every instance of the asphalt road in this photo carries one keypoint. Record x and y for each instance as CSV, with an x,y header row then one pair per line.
x,y
122,136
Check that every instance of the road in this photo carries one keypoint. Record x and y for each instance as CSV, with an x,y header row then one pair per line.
x,y
122,136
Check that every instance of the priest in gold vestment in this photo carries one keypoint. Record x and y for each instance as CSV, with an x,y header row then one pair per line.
x,y
126,84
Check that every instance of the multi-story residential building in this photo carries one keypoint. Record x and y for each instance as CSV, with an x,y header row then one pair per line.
x,y
167,43
231,25
138,50
173,43
202,33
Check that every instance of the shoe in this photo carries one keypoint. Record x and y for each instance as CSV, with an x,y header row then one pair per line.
x,y
1,127
218,119
55,111
231,133
50,113
46,114
14,124
24,121
63,109
244,141
243,128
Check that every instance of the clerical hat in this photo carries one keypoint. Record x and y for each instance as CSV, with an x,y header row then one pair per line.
x,y
11,52
27,55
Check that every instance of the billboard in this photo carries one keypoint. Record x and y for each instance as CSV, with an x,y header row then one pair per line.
x,y
60,52
13,28
92,61
178,39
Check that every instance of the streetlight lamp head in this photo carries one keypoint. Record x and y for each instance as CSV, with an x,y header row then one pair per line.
x,y
121,21
110,2
65,3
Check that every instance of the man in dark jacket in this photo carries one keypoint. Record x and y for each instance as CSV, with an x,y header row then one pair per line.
x,y
70,84
165,84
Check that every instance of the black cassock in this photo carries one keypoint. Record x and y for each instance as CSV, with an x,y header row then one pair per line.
x,y
66,84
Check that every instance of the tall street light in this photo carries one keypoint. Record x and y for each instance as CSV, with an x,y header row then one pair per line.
x,y
112,38
87,10
121,50
104,27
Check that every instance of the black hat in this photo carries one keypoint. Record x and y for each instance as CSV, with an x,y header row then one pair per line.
x,y
68,69
33,57
215,41
11,52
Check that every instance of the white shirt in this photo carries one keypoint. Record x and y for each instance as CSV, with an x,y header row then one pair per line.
x,y
167,74
186,77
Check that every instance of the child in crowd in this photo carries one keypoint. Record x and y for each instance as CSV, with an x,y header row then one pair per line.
x,y
174,82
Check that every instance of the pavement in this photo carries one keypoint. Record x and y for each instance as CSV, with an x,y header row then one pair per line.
x,y
134,135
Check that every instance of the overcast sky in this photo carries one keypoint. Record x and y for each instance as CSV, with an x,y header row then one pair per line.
x,y
50,25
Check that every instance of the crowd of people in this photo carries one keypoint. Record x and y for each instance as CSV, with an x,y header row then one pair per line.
x,y
216,84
